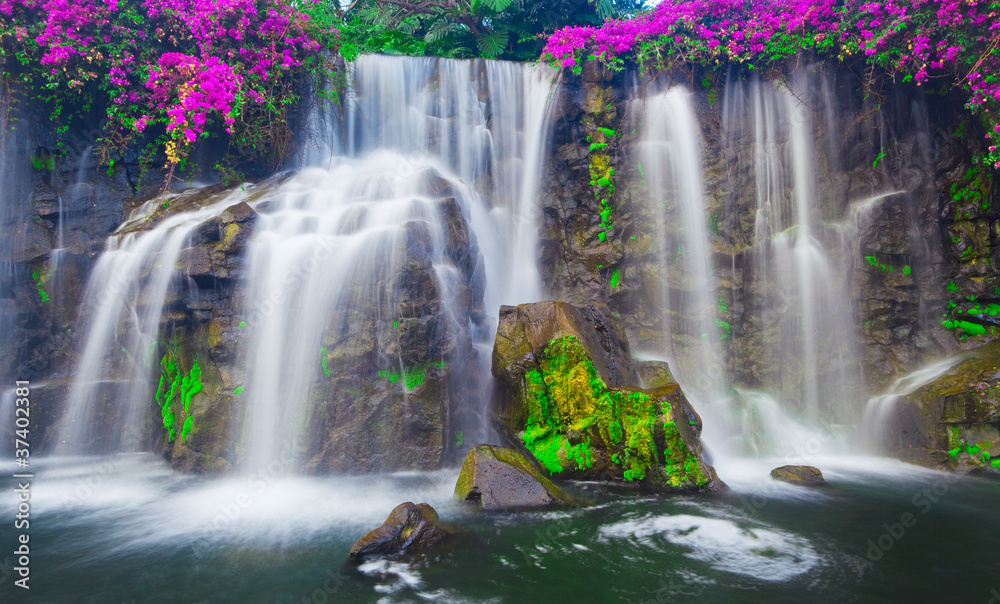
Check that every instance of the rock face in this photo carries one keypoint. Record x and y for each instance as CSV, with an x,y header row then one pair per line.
x,y
568,393
496,478
953,422
409,528
802,475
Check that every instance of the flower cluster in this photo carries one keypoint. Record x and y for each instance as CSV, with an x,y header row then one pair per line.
x,y
187,66
921,40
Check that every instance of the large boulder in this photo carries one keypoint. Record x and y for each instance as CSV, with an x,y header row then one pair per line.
x,y
807,476
568,393
952,423
410,527
496,478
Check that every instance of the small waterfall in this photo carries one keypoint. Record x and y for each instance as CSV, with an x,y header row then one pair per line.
x,y
801,261
109,400
880,407
671,148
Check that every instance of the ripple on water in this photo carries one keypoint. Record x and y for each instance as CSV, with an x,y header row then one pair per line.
x,y
765,554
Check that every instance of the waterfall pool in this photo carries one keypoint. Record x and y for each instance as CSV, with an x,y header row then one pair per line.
x,y
128,529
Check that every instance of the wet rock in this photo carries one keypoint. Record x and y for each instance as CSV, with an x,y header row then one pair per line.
x,y
952,423
409,528
802,475
568,393
495,478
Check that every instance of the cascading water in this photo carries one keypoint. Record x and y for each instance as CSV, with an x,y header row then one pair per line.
x,y
421,150
108,403
671,150
795,277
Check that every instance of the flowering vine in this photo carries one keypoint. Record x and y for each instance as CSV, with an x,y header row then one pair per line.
x,y
952,41
171,70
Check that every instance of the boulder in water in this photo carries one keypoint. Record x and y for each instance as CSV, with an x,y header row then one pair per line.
x,y
807,476
568,393
410,527
496,478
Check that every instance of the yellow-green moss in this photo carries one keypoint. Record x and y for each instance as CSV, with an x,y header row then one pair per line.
x,y
566,396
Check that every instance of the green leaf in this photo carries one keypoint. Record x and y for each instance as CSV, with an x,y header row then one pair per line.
x,y
500,5
493,44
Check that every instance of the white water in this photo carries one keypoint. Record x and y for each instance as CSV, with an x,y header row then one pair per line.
x,y
412,131
880,407
797,278
121,310
671,151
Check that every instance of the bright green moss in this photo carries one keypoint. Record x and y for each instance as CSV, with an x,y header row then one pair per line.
x,y
615,280
175,387
238,391
324,363
566,395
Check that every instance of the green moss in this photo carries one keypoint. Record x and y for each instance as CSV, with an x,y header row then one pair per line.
x,y
238,391
969,329
995,463
615,280
323,362
414,376
566,397
174,387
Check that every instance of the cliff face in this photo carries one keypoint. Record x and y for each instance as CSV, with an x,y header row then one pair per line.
x,y
902,227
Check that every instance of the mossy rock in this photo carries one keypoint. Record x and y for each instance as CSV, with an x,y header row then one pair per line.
x,y
495,478
409,528
952,423
808,476
568,394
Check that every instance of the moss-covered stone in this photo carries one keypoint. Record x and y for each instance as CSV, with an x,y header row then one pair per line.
x,y
496,478
953,423
801,475
569,396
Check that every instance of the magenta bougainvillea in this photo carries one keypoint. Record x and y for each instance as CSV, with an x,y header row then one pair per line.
x,y
183,66
924,41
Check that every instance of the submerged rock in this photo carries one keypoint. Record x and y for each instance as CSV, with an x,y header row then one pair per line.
x,y
496,478
802,475
568,392
410,527
952,423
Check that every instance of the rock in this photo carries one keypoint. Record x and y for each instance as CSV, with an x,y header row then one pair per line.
x,y
496,478
807,476
568,393
952,423
409,528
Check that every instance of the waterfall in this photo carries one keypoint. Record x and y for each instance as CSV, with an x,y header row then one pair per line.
x,y
122,305
880,408
796,272
418,131
671,150
415,212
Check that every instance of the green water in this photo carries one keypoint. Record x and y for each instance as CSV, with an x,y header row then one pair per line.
x,y
129,530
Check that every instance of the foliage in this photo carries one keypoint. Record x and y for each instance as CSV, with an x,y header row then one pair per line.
x,y
167,72
951,41
507,29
